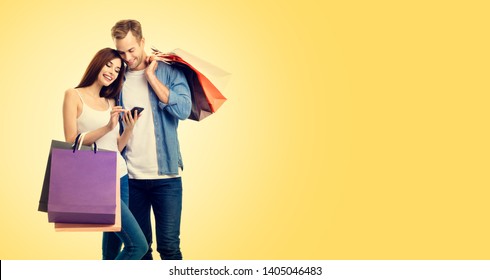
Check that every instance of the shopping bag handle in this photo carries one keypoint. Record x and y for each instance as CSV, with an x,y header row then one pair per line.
x,y
79,142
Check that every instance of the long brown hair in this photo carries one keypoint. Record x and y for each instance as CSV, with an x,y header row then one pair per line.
x,y
100,59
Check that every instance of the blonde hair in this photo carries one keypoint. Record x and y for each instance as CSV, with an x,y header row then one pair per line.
x,y
122,27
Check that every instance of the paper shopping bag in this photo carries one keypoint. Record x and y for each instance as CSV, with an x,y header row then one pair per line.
x,y
82,186
206,81
70,227
200,105
43,200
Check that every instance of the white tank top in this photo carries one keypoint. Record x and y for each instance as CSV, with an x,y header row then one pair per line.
x,y
91,119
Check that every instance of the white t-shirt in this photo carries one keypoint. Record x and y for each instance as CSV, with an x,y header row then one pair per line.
x,y
141,150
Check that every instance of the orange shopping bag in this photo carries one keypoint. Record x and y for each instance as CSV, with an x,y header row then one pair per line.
x,y
206,81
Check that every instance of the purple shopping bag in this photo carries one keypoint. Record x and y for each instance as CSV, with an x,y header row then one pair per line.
x,y
82,187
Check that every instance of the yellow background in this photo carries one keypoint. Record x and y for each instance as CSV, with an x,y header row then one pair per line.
x,y
352,130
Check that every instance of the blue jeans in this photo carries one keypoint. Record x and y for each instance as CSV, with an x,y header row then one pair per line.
x,y
165,197
135,245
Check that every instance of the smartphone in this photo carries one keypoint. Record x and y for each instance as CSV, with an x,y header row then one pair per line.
x,y
138,109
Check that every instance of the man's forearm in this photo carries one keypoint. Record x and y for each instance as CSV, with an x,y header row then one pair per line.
x,y
160,89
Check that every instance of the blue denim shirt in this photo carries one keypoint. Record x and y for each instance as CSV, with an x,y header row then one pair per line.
x,y
166,117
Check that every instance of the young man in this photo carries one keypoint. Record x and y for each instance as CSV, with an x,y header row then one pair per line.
x,y
152,153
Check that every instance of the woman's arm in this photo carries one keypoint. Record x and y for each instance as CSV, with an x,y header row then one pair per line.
x,y
71,113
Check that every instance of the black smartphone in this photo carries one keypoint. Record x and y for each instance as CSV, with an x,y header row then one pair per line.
x,y
139,109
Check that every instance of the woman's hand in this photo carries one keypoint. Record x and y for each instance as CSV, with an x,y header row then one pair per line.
x,y
116,110
130,120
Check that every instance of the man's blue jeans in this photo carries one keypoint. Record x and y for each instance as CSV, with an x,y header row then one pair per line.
x,y
135,245
164,196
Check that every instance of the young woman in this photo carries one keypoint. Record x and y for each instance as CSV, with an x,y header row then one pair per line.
x,y
90,107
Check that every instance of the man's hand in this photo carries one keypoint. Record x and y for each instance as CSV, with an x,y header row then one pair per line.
x,y
161,91
157,55
150,70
